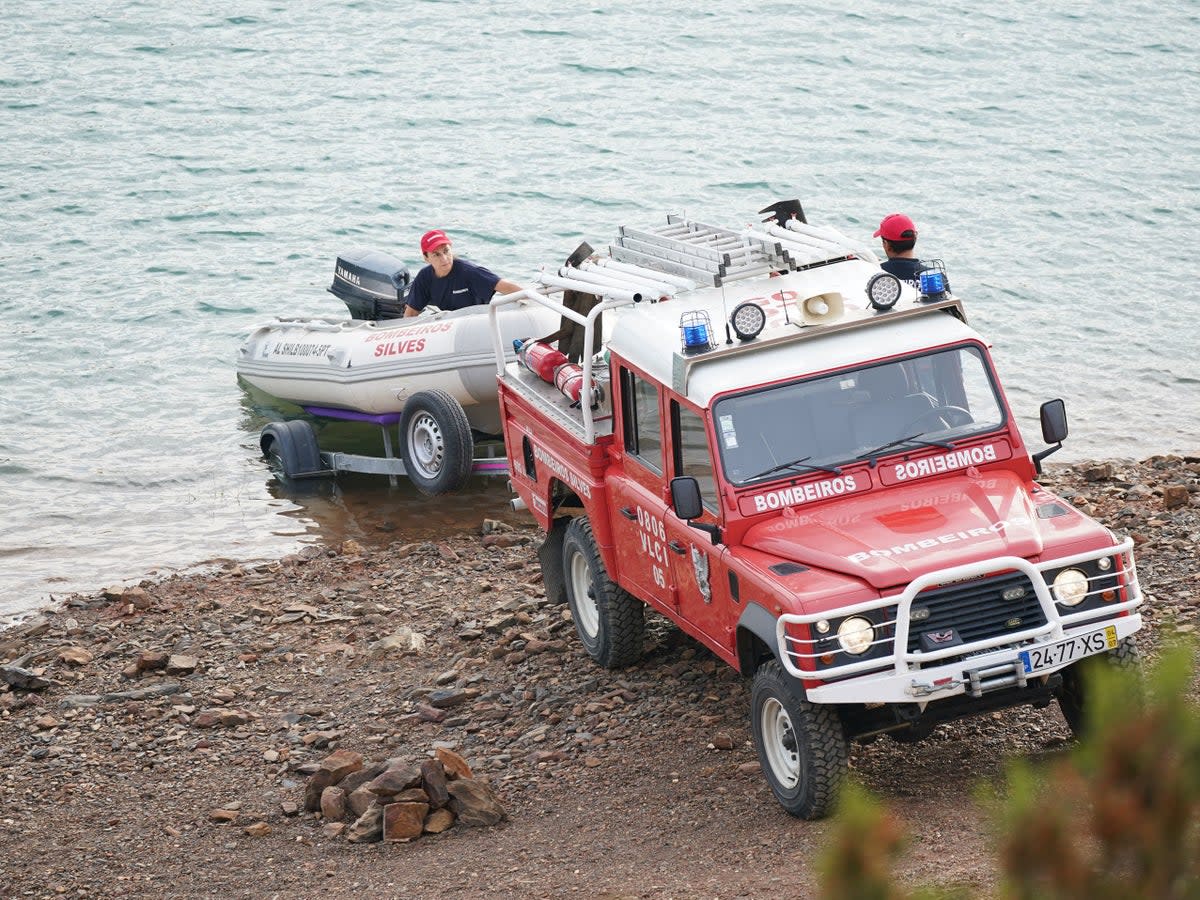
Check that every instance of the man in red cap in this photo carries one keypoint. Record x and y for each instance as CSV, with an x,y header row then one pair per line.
x,y
450,283
899,237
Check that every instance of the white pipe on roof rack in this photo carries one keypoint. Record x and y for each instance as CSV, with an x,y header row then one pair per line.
x,y
804,238
832,234
679,281
652,281
602,280
644,286
572,284
804,253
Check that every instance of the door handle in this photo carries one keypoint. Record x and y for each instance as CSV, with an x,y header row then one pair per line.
x,y
677,547
627,512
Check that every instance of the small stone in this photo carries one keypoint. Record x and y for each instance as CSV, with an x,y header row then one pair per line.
x,y
178,664
289,808
23,679
1175,496
258,829
75,656
403,821
367,828
473,803
395,780
433,781
333,803
333,829
148,661
438,821
453,763
722,741
222,816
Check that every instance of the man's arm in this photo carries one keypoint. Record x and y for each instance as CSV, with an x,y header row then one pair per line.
x,y
504,286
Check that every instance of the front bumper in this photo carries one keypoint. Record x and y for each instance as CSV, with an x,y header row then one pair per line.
x,y
977,668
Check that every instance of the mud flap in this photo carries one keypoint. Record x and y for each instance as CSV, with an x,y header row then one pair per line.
x,y
550,558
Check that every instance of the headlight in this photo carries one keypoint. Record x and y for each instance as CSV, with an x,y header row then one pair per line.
x,y
1070,587
856,635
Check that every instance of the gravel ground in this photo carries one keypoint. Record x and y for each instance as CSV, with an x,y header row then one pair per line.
x,y
162,743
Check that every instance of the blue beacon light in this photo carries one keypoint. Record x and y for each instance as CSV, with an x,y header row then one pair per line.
x,y
695,329
933,281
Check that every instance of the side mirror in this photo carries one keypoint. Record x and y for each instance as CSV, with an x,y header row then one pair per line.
x,y
685,497
1054,421
1054,430
687,505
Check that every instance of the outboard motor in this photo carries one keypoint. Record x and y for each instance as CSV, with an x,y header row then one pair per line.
x,y
371,283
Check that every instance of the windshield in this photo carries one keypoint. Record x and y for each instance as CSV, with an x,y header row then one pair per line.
x,y
933,399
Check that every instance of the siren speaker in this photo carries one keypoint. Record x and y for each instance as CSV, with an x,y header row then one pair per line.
x,y
821,309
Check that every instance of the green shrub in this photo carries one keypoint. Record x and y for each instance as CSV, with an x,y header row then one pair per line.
x,y
1118,817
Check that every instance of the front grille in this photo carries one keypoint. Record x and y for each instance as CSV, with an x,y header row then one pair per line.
x,y
977,610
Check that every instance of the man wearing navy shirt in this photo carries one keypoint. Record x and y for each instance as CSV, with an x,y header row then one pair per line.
x,y
450,283
899,236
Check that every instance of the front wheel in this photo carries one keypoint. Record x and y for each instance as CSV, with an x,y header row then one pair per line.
x,y
436,442
801,745
610,621
1073,696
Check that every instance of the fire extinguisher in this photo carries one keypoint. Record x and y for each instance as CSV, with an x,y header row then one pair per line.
x,y
554,368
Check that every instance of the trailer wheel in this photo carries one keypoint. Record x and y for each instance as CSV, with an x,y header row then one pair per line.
x,y
436,443
610,621
1073,696
291,450
801,745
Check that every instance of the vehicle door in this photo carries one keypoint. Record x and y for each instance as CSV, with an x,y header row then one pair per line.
x,y
638,490
697,570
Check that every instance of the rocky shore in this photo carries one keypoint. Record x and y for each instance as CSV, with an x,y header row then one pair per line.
x,y
160,740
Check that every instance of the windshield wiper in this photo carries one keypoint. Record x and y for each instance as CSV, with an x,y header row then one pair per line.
x,y
796,464
911,439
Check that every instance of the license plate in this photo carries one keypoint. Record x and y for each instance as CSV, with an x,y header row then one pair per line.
x,y
1054,655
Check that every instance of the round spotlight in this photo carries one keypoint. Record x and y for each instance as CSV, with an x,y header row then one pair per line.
x,y
1070,587
856,634
747,320
883,290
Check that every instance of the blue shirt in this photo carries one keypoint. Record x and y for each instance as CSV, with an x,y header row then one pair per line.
x,y
907,270
466,284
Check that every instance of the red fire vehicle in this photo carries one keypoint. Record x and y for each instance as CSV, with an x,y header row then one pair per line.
x,y
810,468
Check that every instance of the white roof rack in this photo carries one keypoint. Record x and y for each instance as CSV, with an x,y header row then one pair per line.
x,y
646,263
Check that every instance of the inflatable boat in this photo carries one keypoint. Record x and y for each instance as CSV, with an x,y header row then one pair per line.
x,y
433,375
373,362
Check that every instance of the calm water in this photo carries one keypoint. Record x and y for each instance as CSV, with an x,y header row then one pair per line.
x,y
171,175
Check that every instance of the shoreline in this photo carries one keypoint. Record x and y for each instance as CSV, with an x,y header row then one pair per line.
x,y
395,650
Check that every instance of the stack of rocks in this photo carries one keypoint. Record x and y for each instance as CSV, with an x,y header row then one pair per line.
x,y
398,801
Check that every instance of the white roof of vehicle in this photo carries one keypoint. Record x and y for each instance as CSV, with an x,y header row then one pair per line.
x,y
649,336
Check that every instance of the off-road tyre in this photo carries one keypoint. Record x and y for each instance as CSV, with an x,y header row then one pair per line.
x,y
1072,697
802,746
610,621
436,443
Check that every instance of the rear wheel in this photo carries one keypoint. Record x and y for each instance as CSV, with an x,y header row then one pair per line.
x,y
801,745
1073,697
436,442
610,621
291,450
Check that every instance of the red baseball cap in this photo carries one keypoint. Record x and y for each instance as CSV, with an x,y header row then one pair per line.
x,y
431,240
896,227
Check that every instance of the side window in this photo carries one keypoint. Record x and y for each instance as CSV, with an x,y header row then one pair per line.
x,y
643,430
691,452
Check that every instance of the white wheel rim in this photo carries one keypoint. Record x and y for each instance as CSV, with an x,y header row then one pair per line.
x,y
779,743
586,613
426,446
